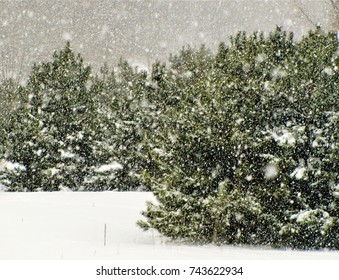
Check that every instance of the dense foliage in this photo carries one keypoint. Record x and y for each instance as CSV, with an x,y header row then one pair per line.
x,y
69,130
239,147
248,150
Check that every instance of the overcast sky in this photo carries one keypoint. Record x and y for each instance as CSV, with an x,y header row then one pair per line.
x,y
142,31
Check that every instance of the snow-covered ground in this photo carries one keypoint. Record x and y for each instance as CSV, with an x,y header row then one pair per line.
x,y
70,225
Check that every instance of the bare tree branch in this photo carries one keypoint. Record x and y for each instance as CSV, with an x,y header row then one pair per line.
x,y
333,11
335,5
302,10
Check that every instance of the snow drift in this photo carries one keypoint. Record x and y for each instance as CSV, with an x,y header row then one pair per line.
x,y
70,225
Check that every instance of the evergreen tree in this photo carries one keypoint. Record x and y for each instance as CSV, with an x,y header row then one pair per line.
x,y
311,169
124,109
52,136
9,102
233,153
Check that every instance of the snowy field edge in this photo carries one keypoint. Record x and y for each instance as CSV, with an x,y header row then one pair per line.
x,y
71,225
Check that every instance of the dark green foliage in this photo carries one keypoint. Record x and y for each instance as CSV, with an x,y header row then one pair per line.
x,y
51,135
248,153
240,147
76,131
9,102
124,108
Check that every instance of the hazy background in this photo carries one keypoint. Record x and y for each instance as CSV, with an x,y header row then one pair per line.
x,y
140,30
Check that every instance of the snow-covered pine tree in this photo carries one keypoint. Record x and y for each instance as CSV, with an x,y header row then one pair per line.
x,y
9,102
9,99
21,153
290,122
193,157
310,141
227,158
52,135
132,118
124,108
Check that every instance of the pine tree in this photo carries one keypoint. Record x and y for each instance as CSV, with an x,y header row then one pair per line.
x,y
52,136
312,168
9,102
238,156
124,110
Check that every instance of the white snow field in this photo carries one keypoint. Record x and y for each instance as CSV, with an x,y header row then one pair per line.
x,y
70,225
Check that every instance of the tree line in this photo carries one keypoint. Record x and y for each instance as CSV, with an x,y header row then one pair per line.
x,y
240,146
